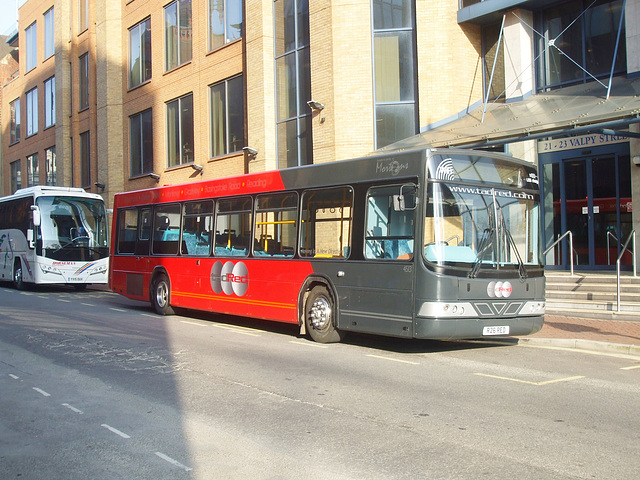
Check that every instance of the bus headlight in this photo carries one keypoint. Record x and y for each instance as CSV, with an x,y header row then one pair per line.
x,y
49,269
98,269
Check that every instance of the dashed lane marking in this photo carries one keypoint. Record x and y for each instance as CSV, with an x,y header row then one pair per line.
x,y
308,344
237,330
537,384
193,323
42,392
173,462
632,367
72,408
391,359
15,377
115,430
118,309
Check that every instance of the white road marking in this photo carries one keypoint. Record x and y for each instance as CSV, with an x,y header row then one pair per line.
x,y
173,462
394,359
73,409
115,430
117,309
631,367
537,384
15,377
42,392
192,323
308,344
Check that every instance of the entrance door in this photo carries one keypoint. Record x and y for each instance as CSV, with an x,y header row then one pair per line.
x,y
592,198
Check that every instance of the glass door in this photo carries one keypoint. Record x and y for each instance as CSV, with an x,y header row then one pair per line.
x,y
591,196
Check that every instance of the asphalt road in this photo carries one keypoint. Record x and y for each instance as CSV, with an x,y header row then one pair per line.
x,y
94,386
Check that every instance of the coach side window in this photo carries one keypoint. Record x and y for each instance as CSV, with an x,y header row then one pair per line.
x,y
233,227
326,222
166,230
276,225
197,228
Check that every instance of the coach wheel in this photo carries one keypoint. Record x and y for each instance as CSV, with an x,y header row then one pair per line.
x,y
319,316
18,280
160,295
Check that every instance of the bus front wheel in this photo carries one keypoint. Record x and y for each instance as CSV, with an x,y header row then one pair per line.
x,y
18,280
319,316
161,295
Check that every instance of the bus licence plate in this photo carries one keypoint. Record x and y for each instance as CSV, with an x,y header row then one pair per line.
x,y
498,330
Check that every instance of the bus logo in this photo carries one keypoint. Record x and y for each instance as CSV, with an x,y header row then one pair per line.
x,y
499,289
230,278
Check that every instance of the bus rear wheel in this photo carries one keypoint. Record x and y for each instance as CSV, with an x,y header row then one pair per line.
x,y
161,295
18,280
319,316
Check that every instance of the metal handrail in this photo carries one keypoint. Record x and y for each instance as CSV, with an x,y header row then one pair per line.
x,y
632,235
609,235
568,232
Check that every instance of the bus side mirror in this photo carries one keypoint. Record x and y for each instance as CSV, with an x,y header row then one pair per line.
x,y
30,238
36,215
400,201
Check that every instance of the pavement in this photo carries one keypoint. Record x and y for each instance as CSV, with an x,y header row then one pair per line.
x,y
565,331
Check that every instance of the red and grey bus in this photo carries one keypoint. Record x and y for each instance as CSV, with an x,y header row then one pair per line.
x,y
428,243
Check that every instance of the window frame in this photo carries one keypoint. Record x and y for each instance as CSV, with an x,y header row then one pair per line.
x,y
144,53
83,73
14,121
145,162
51,167
50,102
32,119
180,150
225,23
49,33
173,55
223,132
85,159
33,170
31,47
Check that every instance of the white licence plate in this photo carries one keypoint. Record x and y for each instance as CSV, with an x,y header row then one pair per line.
x,y
499,330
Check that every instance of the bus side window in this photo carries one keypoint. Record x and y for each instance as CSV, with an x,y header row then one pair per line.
x,y
327,215
127,230
276,225
166,230
389,234
233,227
197,227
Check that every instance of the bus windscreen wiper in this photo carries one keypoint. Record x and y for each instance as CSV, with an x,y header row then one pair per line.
x,y
522,272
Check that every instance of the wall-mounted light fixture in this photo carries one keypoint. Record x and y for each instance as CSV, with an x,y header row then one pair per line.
x,y
155,176
315,105
251,152
197,168
101,186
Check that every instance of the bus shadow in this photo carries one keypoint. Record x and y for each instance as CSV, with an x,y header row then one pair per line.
x,y
376,342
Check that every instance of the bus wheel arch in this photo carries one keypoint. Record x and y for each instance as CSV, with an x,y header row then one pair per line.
x,y
160,293
318,312
18,274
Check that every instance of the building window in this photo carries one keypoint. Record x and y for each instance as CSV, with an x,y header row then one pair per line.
x,y
49,27
83,15
140,53
141,143
227,116
50,166
177,33
31,38
180,131
32,112
225,22
14,121
16,176
49,102
85,160
394,70
84,81
578,42
293,83
33,170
